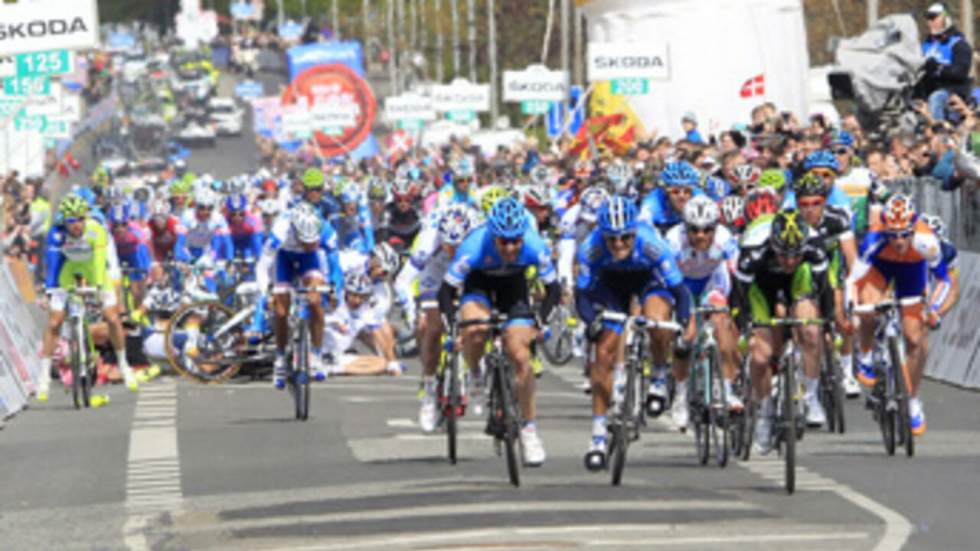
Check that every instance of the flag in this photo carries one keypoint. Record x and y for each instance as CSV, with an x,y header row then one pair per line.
x,y
399,143
754,87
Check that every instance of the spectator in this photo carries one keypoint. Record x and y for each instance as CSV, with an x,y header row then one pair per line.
x,y
689,122
947,67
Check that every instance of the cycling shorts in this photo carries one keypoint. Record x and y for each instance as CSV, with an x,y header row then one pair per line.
x,y
909,278
614,292
293,266
507,294
59,298
766,294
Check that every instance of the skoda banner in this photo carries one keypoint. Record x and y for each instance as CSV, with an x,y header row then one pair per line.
x,y
536,83
612,60
36,25
461,95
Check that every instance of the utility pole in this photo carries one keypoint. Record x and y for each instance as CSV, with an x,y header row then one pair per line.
x,y
966,19
872,12
578,41
365,25
440,40
392,48
413,21
471,36
335,19
280,16
565,36
492,56
454,16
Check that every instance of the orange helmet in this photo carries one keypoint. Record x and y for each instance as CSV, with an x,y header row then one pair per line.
x,y
899,213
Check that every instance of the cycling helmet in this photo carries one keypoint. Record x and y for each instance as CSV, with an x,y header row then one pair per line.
x,y
788,233
733,210
73,206
746,175
618,176
159,208
463,168
119,214
358,283
114,195
268,207
455,223
774,178
535,197
592,200
404,190
387,258
680,173
701,212
313,179
842,139
86,194
350,193
810,185
377,190
206,198
236,203
618,216
898,213
821,159
306,223
508,219
936,224
760,201
182,186
490,196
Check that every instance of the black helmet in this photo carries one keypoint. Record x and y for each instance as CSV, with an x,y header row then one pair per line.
x,y
788,233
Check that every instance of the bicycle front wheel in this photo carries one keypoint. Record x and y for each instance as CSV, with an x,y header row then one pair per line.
x,y
301,374
507,416
75,355
902,417
788,433
558,349
718,409
193,325
698,405
451,376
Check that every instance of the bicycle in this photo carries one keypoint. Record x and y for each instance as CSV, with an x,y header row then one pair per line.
x,y
788,420
627,408
81,349
504,418
889,399
832,386
451,392
742,423
299,349
707,401
559,335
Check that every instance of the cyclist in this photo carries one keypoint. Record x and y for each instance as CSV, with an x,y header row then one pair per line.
x,y
132,246
180,190
245,228
782,270
351,319
775,180
458,186
621,259
537,202
574,227
899,249
705,251
206,239
761,204
77,245
311,187
950,255
382,265
824,164
353,222
733,213
489,267
402,218
301,247
427,265
834,228
745,178
664,206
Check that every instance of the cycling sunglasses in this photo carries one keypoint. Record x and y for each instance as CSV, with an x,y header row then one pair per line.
x,y
824,173
70,221
510,240
700,229
842,151
811,202
899,234
681,190
621,238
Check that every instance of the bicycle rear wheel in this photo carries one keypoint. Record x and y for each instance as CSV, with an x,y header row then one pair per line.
x,y
788,432
700,416
452,405
718,417
211,367
889,419
839,397
558,349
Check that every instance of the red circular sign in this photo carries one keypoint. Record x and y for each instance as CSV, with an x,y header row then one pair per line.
x,y
336,81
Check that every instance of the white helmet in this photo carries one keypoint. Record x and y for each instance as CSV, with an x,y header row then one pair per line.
x,y
733,207
268,207
205,197
306,223
455,223
357,283
701,212
592,200
159,208
387,258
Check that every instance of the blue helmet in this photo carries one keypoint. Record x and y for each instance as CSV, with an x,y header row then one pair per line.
x,y
843,139
508,219
617,216
236,203
85,193
680,173
821,159
119,214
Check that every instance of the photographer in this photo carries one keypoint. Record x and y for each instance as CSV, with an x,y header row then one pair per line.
x,y
947,67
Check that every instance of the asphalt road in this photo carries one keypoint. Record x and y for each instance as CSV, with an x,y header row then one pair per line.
x,y
184,466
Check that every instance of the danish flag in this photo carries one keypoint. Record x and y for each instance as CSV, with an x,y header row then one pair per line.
x,y
755,86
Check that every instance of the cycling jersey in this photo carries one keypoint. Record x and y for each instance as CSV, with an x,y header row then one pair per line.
x,y
656,210
87,255
403,225
284,253
246,235
704,271
573,229
133,248
164,240
449,195
880,262
210,236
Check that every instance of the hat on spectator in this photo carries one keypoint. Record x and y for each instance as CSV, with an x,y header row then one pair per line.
x,y
936,9
689,116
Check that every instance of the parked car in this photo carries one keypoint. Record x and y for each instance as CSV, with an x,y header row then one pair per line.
x,y
225,116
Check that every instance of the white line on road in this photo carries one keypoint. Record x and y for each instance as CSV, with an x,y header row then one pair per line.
x,y
153,468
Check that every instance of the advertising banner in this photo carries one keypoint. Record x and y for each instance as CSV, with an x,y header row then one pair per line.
x,y
536,83
36,25
953,349
461,95
409,107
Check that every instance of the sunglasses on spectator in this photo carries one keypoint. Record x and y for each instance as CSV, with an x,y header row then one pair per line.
x,y
899,234
621,238
810,202
700,229
842,151
510,240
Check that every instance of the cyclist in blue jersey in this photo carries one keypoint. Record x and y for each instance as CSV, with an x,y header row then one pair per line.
x,y
824,164
245,228
490,269
458,186
664,207
621,259
353,223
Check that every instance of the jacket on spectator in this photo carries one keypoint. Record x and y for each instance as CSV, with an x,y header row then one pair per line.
x,y
954,55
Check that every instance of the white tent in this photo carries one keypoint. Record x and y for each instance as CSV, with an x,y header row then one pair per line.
x,y
724,57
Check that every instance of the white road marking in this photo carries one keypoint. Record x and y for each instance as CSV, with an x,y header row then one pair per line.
x,y
153,467
732,538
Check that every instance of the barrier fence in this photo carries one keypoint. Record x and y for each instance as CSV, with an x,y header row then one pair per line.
x,y
20,343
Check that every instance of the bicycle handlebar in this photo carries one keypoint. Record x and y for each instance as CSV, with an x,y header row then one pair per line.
x,y
886,305
789,322
322,289
641,322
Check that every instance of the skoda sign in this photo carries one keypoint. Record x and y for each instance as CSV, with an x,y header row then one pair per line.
x,y
409,106
37,25
536,83
461,95
615,60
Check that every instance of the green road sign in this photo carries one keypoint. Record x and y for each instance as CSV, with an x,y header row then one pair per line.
x,y
27,86
36,64
631,86
302,134
31,123
333,131
412,125
535,107
461,116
